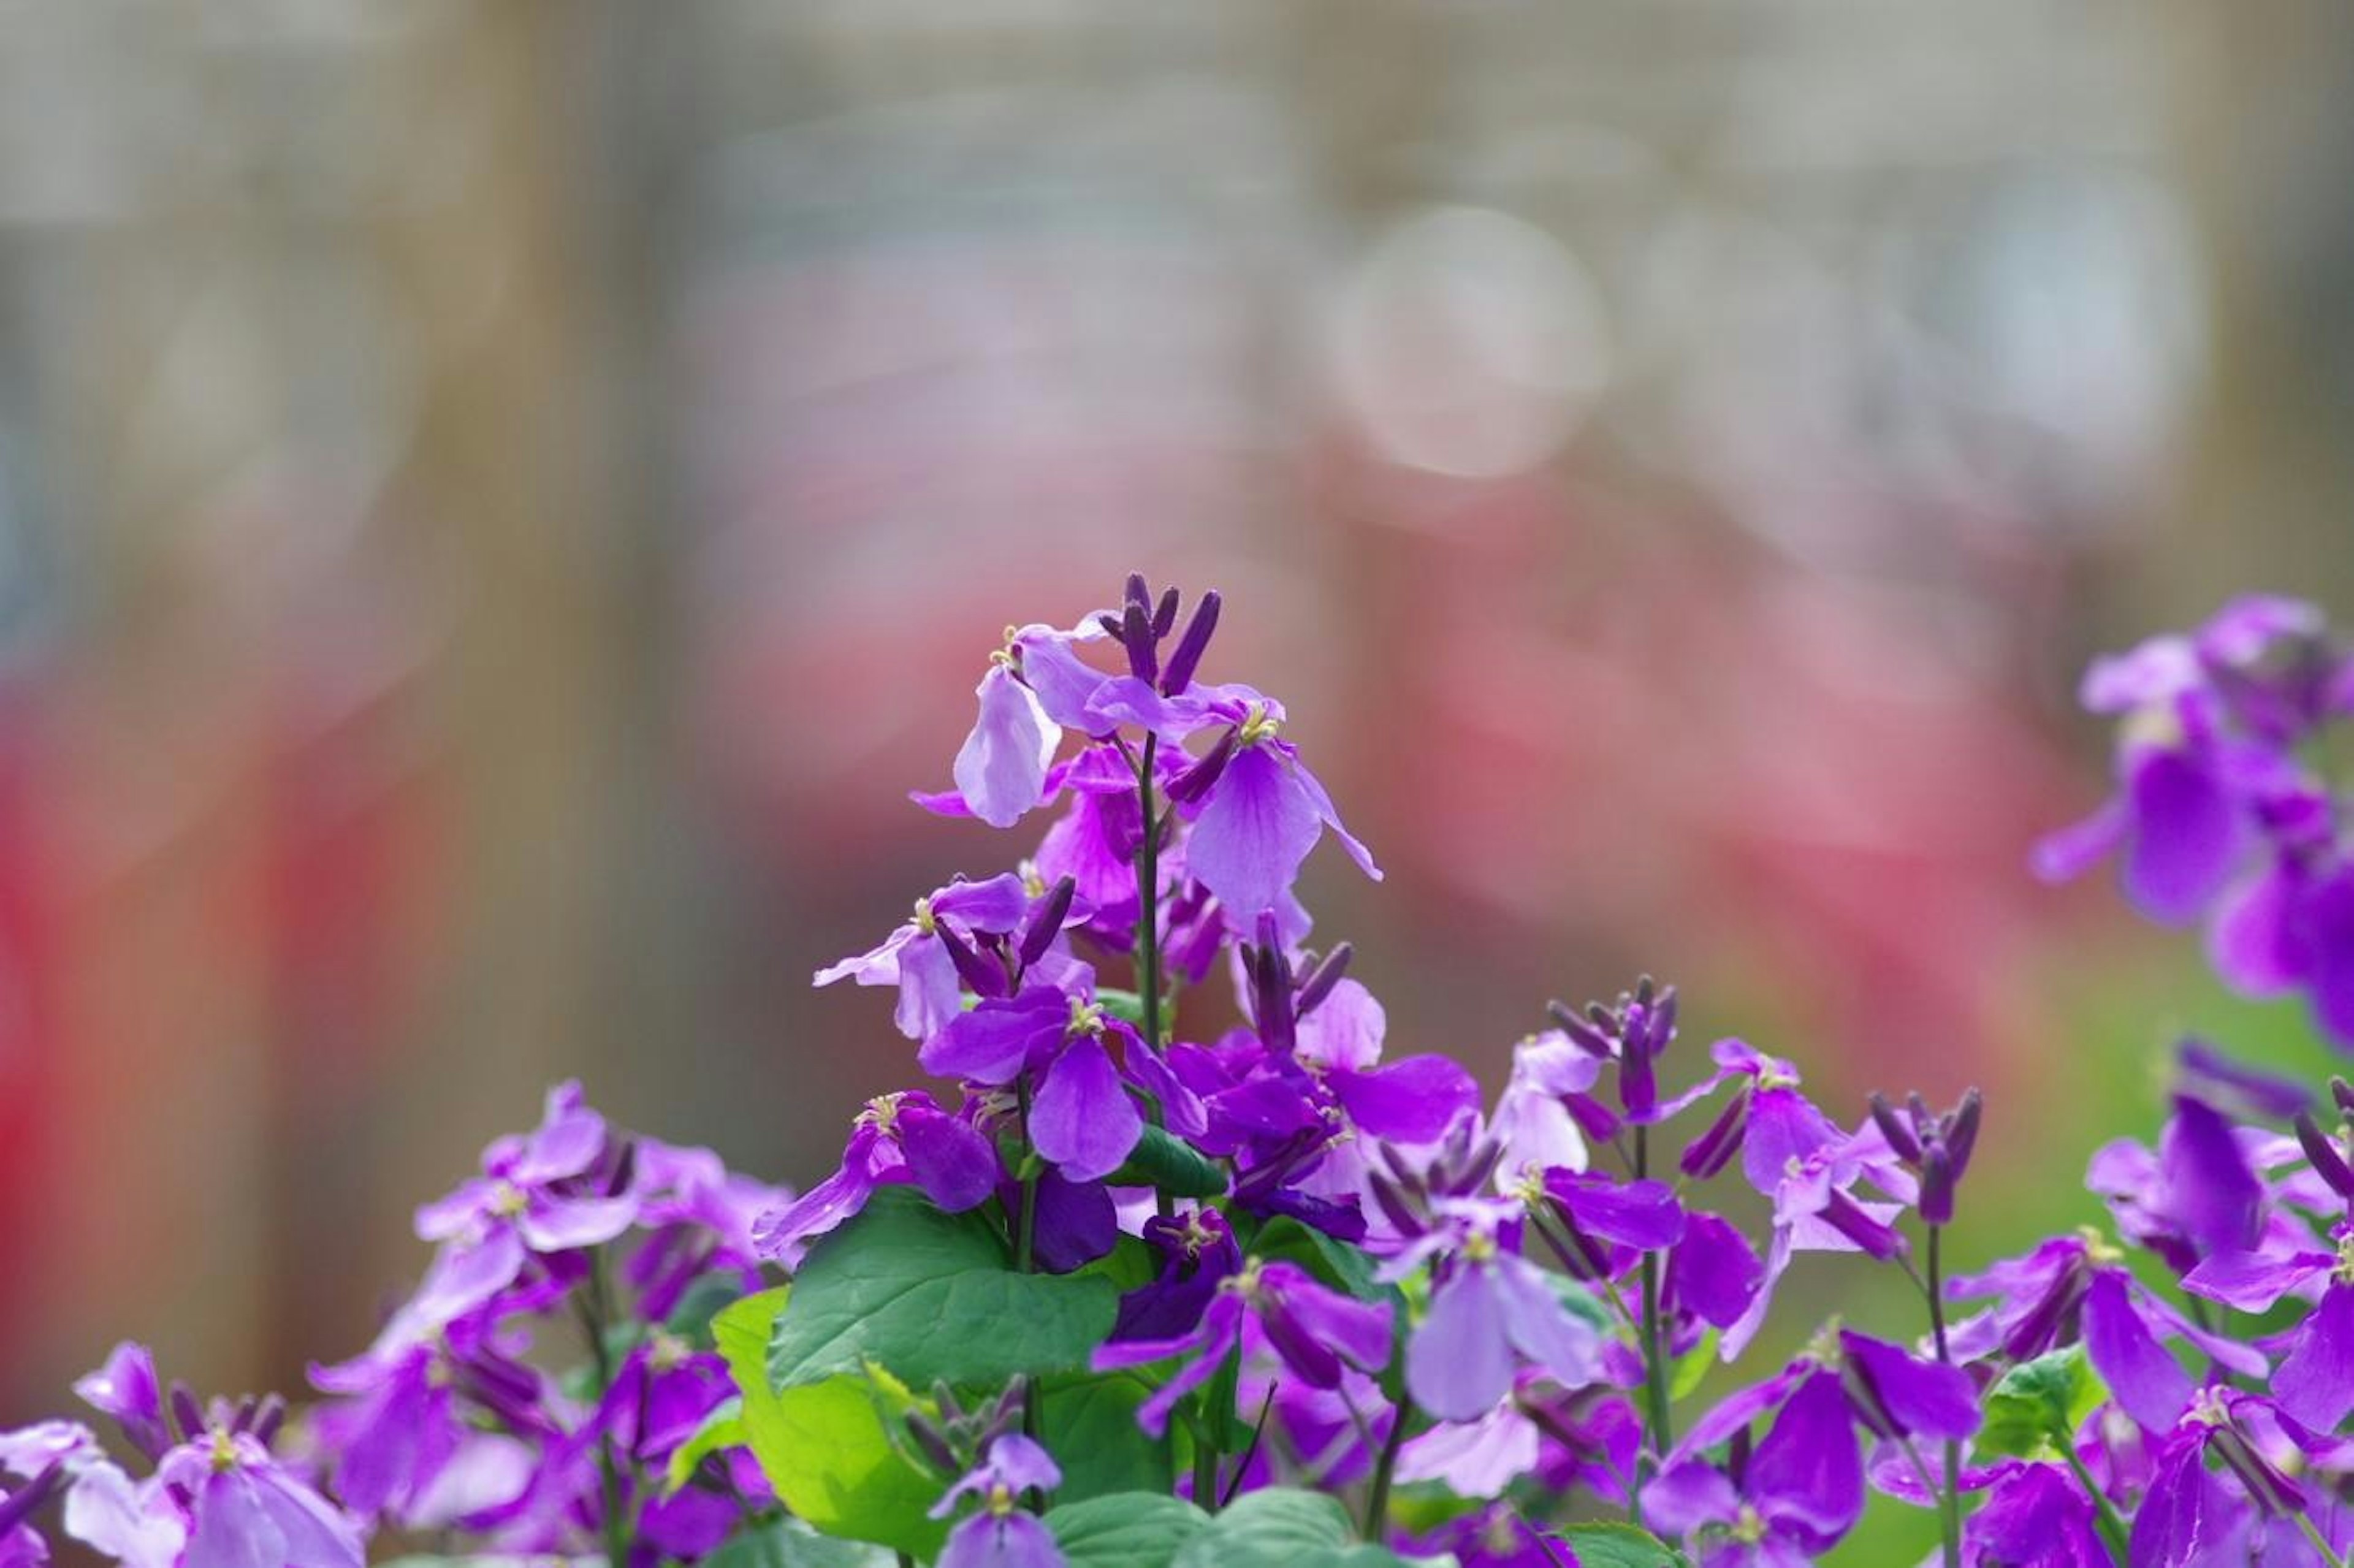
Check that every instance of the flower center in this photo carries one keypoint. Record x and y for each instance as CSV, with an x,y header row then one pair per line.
x,y
1479,1247
927,922
224,1451
1086,1018
1257,726
882,1113
509,1202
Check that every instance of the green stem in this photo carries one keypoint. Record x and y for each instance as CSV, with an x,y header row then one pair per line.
x,y
1657,1434
1148,897
1377,1497
1949,1491
2320,1541
598,1315
2112,1527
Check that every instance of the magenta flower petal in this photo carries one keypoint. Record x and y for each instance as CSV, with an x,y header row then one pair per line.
x,y
996,1038
2253,1281
2149,1384
955,1165
1083,1119
1250,839
2073,850
1459,1362
1714,1270
1000,770
1807,1471
2315,1381
2186,836
1923,1397
1411,1101
2252,943
1542,1328
1014,1540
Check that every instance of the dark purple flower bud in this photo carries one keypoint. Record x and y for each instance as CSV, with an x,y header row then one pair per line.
x,y
625,1169
1849,1219
1198,776
986,978
1046,920
2343,1093
1594,1118
1582,1035
932,1443
1894,1129
1165,614
186,1412
2328,1159
1320,981
1937,1201
1714,1149
1391,1200
1178,673
1136,632
1005,1415
25,1501
268,1416
1138,592
1112,623
1962,1132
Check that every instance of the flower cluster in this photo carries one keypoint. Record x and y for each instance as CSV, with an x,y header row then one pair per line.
x,y
1175,1262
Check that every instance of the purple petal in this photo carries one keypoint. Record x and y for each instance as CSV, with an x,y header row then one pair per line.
x,y
2253,943
1083,1119
126,1389
461,1277
1784,1127
1809,1471
1923,1397
996,903
2068,854
2210,1191
1714,1270
1358,1330
931,994
2329,930
561,1224
1003,1540
1345,1029
1688,1496
1330,814
2186,837
1459,1362
232,1529
1249,842
105,1511
2315,1382
2253,1281
1412,1101
2146,1382
1542,1328
996,1039
570,1138
955,1165
1063,681
825,1205
1641,1214
1182,1109
1000,770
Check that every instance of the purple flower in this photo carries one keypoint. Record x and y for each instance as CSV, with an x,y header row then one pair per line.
x,y
1002,1534
2034,1513
1081,1118
1197,1254
1255,821
126,1389
2315,1380
1318,1332
1797,1495
246,1511
1491,1310
1001,770
914,958
898,1138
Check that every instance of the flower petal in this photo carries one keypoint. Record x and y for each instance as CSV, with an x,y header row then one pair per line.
x,y
1083,1119
1001,770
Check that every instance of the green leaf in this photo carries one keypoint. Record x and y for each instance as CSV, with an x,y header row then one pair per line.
x,y
1278,1527
827,1447
702,1300
1620,1546
1346,1269
1125,1530
791,1543
1693,1366
721,1428
2035,1408
1128,1006
932,1297
1090,1425
1164,1161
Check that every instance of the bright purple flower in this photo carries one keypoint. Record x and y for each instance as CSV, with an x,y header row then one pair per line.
x,y
1491,1310
914,958
898,1138
1002,1534
2315,1380
248,1511
1001,770
1197,1254
1713,1272
1533,1120
2034,1513
1799,1493
1081,1118
699,1217
1318,1332
126,1389
1254,825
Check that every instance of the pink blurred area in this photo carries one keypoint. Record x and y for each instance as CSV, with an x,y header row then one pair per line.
x,y
492,531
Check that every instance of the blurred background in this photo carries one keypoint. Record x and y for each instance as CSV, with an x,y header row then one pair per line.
x,y
499,502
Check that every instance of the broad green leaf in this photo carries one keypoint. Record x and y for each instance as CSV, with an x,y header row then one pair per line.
x,y
1164,1161
1125,1530
1278,1527
791,1543
721,1428
1090,1425
2037,1405
1620,1546
826,1448
933,1298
